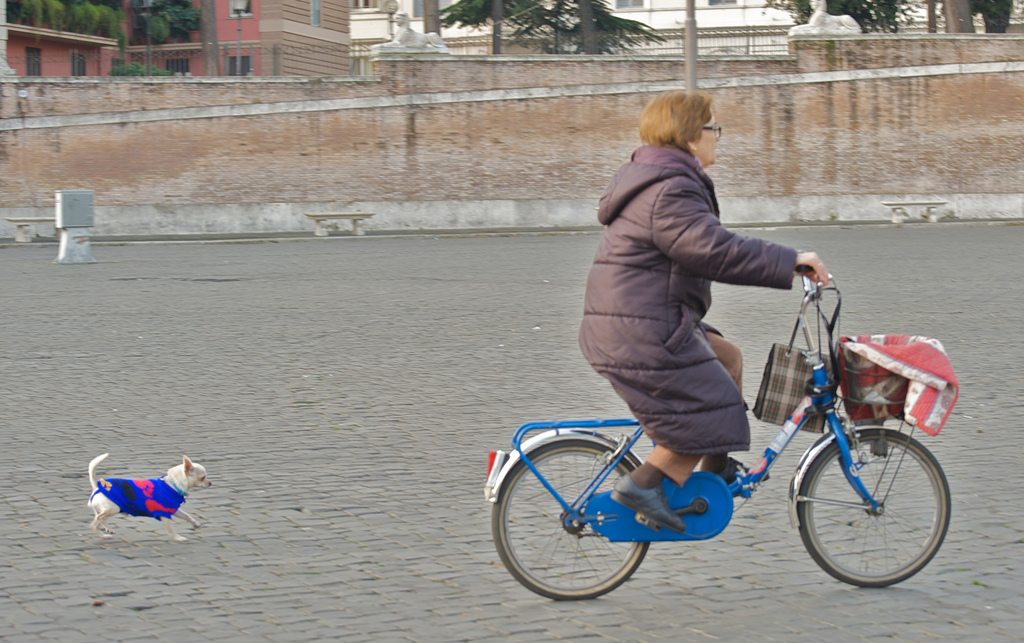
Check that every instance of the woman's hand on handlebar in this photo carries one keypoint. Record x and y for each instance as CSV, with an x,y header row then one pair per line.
x,y
808,263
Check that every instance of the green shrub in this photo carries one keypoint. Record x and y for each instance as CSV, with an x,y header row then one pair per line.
x,y
110,24
159,30
84,18
56,14
138,69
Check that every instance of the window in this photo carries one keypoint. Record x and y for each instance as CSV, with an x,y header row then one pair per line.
x,y
33,61
77,64
314,12
233,66
720,2
177,65
362,4
631,4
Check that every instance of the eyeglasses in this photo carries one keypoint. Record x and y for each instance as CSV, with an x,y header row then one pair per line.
x,y
716,129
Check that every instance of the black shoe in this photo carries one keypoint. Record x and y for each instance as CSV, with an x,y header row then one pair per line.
x,y
733,467
651,504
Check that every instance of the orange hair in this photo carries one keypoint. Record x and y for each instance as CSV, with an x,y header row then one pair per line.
x,y
674,118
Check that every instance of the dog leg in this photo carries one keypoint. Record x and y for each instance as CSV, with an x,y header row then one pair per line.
x,y
98,522
170,530
181,512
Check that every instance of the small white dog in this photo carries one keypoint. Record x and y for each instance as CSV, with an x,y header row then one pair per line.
x,y
159,498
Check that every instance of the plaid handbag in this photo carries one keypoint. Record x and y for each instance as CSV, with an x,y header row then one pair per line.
x,y
783,387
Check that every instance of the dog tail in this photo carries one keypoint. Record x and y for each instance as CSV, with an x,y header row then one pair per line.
x,y
92,468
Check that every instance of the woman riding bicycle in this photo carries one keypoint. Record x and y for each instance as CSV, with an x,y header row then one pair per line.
x,y
649,289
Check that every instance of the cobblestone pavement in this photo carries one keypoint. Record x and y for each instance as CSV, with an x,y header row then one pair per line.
x,y
343,394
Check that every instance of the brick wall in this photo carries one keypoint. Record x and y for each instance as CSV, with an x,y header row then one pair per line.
x,y
808,136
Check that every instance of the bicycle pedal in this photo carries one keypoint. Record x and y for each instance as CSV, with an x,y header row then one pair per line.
x,y
650,524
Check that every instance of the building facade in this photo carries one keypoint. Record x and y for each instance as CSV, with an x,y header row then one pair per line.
x,y
270,37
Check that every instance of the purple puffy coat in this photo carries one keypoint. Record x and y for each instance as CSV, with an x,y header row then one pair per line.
x,y
648,290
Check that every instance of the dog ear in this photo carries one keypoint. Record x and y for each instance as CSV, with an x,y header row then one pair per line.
x,y
187,462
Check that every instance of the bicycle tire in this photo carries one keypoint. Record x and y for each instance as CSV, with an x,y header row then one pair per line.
x,y
537,549
865,548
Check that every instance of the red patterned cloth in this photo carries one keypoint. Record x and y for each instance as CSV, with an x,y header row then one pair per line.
x,y
933,388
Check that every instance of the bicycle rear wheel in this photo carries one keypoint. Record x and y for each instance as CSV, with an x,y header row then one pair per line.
x,y
547,557
875,548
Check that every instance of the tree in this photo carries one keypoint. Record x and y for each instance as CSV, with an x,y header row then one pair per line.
x,y
181,15
995,12
554,25
588,28
172,20
871,15
208,35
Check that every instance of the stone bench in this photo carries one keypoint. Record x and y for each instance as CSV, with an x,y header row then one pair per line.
x,y
23,230
322,218
899,209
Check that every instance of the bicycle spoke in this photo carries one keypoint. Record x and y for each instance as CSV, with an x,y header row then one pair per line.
x,y
869,548
546,555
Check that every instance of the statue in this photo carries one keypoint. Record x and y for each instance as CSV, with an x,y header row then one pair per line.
x,y
408,41
822,22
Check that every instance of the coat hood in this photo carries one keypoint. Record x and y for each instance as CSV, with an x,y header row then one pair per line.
x,y
649,165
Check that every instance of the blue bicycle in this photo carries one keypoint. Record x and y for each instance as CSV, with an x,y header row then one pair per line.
x,y
872,504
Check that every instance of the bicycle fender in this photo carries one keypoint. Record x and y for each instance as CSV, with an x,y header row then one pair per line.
x,y
554,435
801,470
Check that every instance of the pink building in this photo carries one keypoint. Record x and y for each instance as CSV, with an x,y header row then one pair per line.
x,y
37,51
236,34
273,37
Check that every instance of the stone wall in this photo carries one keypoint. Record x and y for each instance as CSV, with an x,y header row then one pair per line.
x,y
450,142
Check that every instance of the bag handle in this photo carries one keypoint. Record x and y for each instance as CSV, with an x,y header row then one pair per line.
x,y
792,338
830,326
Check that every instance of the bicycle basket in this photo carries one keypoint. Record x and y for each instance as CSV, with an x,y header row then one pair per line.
x,y
869,384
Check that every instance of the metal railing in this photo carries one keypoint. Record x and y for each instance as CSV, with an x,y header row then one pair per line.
x,y
739,41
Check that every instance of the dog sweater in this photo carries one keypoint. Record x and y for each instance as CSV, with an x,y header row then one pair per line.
x,y
154,497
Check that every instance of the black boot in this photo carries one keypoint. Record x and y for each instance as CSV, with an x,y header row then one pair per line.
x,y
651,504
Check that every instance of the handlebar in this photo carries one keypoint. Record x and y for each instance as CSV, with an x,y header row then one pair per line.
x,y
813,291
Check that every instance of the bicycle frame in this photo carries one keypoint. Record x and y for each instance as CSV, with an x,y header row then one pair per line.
x,y
825,402
819,400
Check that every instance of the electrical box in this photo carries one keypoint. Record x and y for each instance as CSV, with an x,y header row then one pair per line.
x,y
74,209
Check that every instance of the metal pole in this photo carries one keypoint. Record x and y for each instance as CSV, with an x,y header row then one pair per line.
x,y
238,51
496,10
149,53
691,45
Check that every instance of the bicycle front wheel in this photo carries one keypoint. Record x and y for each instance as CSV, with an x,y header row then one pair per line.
x,y
563,562
875,548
